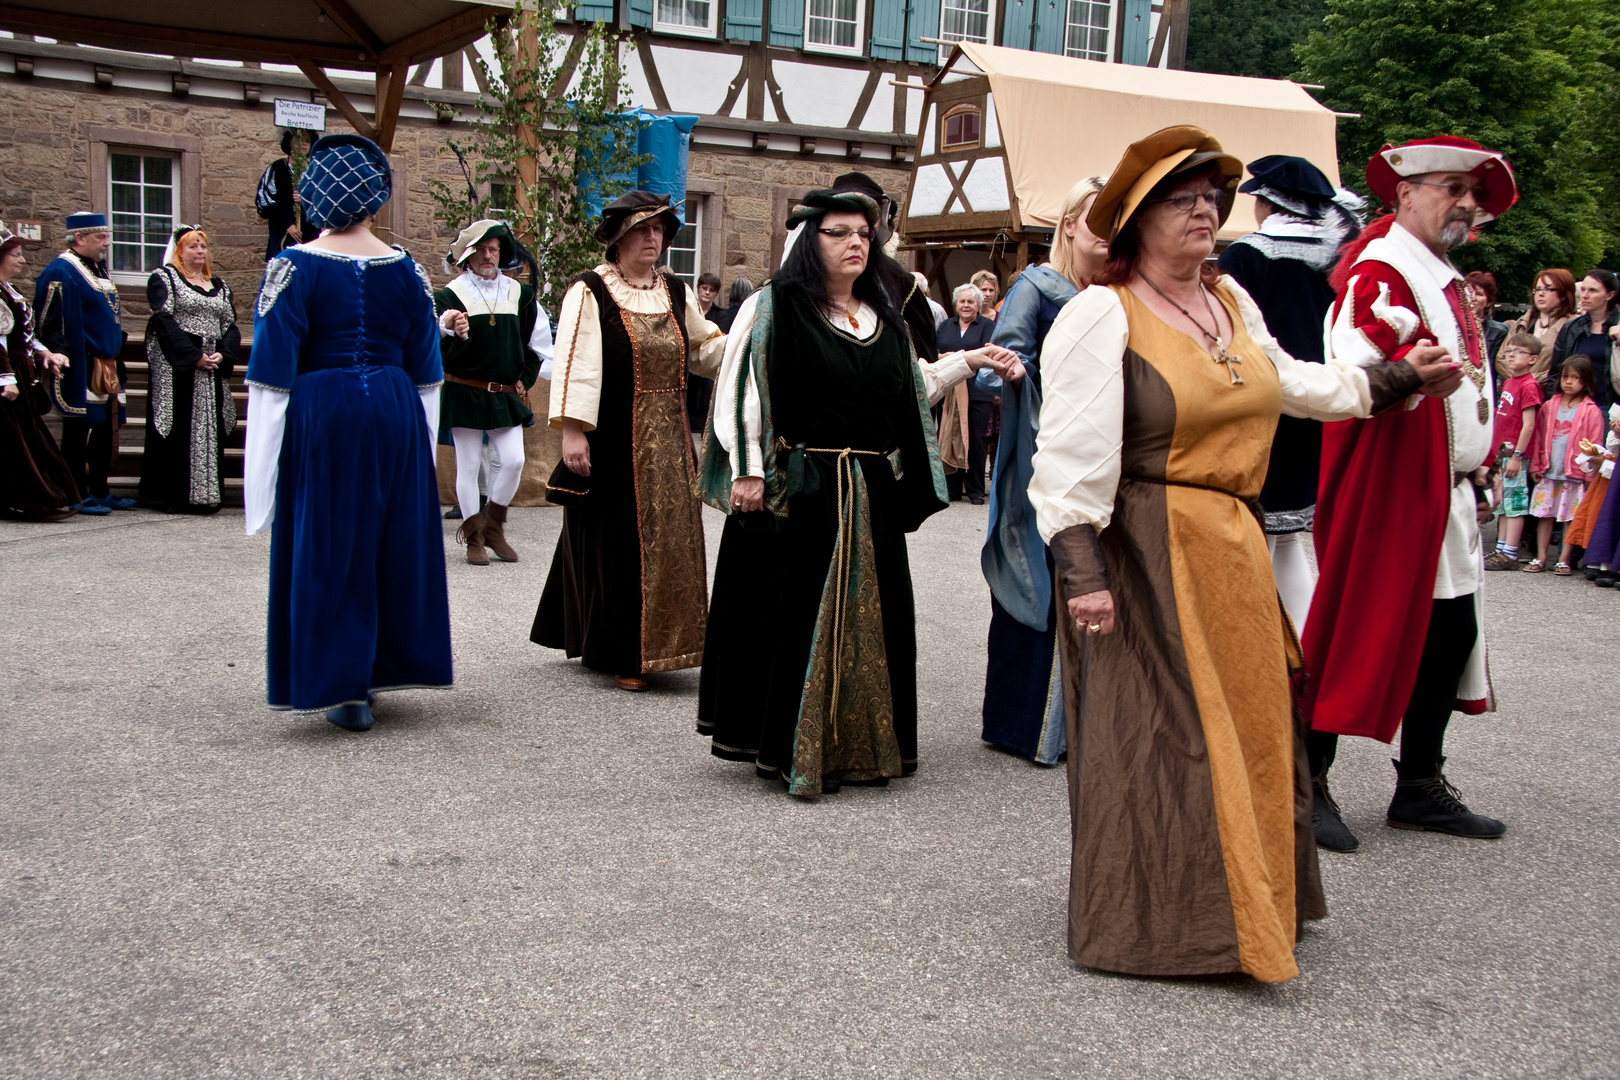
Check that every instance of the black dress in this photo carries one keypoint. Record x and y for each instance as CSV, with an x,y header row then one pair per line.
x,y
1294,297
628,582
829,390
35,481
189,411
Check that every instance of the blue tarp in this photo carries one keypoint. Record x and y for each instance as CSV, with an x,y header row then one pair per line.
x,y
666,139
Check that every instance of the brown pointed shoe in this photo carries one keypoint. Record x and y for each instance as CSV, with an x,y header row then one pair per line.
x,y
495,532
471,533
633,683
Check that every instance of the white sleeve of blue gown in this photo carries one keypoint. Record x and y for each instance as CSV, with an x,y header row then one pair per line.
x,y
430,407
262,461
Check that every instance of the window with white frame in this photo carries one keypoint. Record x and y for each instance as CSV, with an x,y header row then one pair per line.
x,y
684,256
685,16
1090,30
143,195
833,25
964,20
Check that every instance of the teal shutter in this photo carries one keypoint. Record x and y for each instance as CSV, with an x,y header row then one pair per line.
x,y
787,23
888,36
744,19
1051,23
641,12
594,11
1135,30
1015,23
924,23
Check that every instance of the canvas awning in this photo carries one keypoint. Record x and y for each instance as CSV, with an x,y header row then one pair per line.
x,y
385,36
1059,119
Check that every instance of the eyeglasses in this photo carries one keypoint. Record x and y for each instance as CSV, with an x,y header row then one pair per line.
x,y
1518,352
1186,201
1456,189
844,232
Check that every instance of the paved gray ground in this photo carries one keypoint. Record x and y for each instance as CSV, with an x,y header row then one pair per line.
x,y
536,875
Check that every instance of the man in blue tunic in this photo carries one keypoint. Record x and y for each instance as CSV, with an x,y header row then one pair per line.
x,y
79,317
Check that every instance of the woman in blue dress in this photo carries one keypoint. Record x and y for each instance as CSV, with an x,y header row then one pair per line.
x,y
1023,685
343,398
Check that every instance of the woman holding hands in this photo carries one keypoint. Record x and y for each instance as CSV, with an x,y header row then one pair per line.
x,y
1192,845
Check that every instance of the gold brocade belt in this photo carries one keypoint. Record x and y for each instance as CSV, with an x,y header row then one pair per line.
x,y
842,555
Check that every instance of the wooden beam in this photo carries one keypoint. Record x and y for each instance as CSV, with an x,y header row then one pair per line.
x,y
478,72
339,100
454,32
146,37
419,77
390,93
649,68
450,75
348,20
570,61
864,102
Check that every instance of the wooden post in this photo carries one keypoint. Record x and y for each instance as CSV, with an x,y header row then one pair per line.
x,y
390,95
527,33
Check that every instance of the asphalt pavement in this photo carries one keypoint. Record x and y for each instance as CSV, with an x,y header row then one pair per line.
x,y
536,875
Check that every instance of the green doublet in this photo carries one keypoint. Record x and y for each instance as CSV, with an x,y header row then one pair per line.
x,y
495,351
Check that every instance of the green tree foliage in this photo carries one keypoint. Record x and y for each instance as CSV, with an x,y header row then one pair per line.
x,y
1249,37
1516,75
545,123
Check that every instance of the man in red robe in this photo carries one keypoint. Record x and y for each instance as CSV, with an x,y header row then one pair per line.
x,y
1395,638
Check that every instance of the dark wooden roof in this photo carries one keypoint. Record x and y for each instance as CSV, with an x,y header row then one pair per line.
x,y
368,35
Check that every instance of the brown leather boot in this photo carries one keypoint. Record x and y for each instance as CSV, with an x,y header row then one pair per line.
x,y
495,532
471,533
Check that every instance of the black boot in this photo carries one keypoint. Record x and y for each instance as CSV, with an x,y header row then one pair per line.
x,y
1430,803
1331,831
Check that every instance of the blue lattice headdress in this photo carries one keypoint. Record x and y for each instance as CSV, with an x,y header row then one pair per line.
x,y
346,180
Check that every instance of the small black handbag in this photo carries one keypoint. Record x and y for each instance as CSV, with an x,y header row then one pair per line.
x,y
566,487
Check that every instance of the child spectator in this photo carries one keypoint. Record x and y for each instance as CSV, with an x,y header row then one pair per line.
x,y
1516,410
1557,463
1586,515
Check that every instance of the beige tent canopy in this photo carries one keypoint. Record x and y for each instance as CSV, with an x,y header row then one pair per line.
x,y
1006,132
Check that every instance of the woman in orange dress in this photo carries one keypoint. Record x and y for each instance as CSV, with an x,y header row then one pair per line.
x,y
1192,845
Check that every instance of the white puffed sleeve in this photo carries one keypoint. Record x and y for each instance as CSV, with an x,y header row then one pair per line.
x,y
576,389
1077,451
430,408
707,342
725,397
261,461
1309,391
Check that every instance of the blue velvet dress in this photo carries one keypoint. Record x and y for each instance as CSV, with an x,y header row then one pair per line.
x,y
358,600
1023,685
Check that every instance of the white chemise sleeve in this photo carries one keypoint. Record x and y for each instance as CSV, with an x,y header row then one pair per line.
x,y
576,390
707,342
261,462
725,395
1077,450
1309,391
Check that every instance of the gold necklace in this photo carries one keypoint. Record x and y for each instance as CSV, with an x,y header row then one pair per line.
x,y
479,288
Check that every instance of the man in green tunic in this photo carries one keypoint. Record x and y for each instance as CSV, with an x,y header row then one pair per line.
x,y
496,343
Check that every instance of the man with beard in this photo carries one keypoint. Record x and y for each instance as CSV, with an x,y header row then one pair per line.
x,y
496,342
79,317
1395,633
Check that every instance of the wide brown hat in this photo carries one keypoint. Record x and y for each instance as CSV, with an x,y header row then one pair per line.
x,y
631,209
1146,162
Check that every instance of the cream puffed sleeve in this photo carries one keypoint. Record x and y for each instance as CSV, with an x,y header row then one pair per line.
x,y
943,374
725,397
706,342
1077,450
1326,391
576,384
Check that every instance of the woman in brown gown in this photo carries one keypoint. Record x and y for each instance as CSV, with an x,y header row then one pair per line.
x,y
628,586
1192,845
35,481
